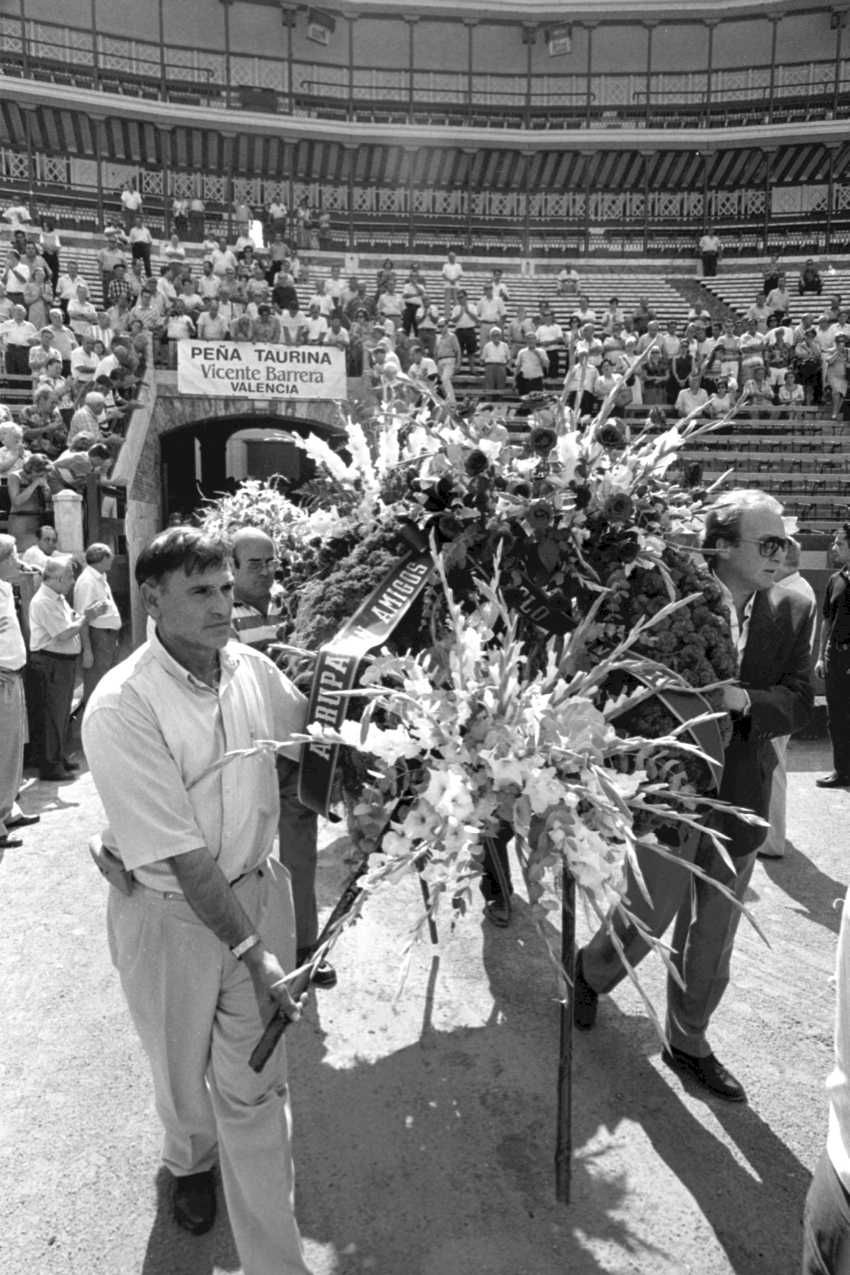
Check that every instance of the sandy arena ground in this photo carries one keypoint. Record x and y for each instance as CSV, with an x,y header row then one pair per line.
x,y
425,1126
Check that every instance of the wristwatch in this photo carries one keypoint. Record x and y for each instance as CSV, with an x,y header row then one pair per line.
x,y
245,946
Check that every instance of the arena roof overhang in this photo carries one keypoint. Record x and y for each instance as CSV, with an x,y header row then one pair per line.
x,y
565,11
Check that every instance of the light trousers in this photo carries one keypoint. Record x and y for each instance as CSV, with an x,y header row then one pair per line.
x,y
13,729
193,1006
774,842
705,925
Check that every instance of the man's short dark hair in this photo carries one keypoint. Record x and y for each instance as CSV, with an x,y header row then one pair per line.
x,y
180,548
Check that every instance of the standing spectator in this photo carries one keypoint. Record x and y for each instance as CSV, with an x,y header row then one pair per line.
x,y
42,352
771,276
50,245
568,281
756,392
109,257
778,354
758,312
17,335
580,385
225,934
16,276
223,258
212,326
66,290
197,212
413,298
549,335
83,364
584,311
835,375
709,249
499,286
303,222
612,317
13,714
277,216
141,242
810,280
452,273
316,326
447,355
530,366
119,286
178,327
496,356
174,250
55,646
131,205
490,310
517,330
100,635
180,216
778,301
833,662
790,394
82,315
423,371
266,328
464,320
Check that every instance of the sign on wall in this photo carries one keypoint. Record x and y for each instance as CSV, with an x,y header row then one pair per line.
x,y
241,369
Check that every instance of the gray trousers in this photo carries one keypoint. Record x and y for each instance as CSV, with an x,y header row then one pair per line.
x,y
13,729
705,924
298,833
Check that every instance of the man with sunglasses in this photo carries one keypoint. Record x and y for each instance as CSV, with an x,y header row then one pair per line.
x,y
745,544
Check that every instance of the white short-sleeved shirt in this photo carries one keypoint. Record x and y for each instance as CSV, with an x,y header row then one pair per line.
x,y
13,652
50,615
93,586
150,733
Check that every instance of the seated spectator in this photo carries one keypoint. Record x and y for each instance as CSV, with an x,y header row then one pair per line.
x,y
751,344
29,485
531,365
242,327
5,305
496,357
806,364
568,281
88,417
518,329
668,338
109,258
422,370
388,306
82,315
790,394
648,338
584,312
612,317
642,315
610,380
191,298
588,344
211,324
41,353
293,326
693,398
654,374
778,355
44,431
499,286
756,391
810,280
778,301
208,284
723,398
13,453
45,546
222,258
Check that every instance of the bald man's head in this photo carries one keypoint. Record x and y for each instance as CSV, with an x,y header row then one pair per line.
x,y
254,563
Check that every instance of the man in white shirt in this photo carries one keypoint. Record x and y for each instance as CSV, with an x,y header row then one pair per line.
x,y
13,713
100,636
316,325
193,863
212,326
45,546
452,273
709,248
55,645
491,310
584,311
223,259
692,397
83,363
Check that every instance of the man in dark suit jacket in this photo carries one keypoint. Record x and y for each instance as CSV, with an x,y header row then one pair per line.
x,y
772,627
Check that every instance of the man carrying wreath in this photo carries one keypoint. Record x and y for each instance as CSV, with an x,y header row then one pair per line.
x,y
772,628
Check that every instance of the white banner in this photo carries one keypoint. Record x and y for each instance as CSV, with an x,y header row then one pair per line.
x,y
240,369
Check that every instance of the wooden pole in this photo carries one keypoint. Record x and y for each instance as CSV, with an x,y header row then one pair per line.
x,y
564,1138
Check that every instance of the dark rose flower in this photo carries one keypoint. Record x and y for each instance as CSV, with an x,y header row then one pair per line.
x,y
542,439
448,526
657,416
628,548
476,463
521,489
444,488
619,507
612,434
582,496
540,514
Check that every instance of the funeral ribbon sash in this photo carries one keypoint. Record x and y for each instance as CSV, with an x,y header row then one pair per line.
x,y
337,666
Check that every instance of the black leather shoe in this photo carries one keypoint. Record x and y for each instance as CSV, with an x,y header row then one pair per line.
x,y
70,765
585,1000
55,776
498,911
708,1072
833,781
193,1202
22,821
10,843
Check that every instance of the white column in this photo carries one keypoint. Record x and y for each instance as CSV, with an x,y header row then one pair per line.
x,y
68,519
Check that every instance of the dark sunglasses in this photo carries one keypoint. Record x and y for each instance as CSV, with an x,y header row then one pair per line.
x,y
768,545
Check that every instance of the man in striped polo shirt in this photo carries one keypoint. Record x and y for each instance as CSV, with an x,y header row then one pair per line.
x,y
255,621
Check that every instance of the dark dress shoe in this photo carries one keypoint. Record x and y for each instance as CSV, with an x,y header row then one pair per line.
x,y
833,781
70,765
498,911
22,821
55,776
193,1202
10,843
585,1000
708,1072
